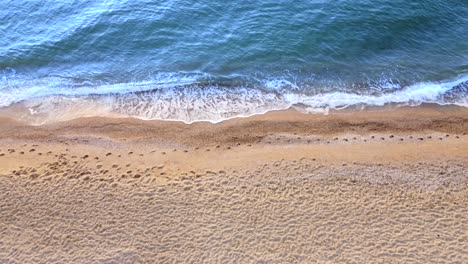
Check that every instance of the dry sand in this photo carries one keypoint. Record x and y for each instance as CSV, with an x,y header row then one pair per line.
x,y
377,186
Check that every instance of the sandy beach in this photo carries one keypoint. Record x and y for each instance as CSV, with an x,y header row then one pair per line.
x,y
375,186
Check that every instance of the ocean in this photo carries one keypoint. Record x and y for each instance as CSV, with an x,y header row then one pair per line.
x,y
214,60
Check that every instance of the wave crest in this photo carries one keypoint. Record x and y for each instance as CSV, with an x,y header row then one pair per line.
x,y
192,97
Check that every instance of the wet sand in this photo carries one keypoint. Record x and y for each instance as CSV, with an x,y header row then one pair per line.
x,y
376,186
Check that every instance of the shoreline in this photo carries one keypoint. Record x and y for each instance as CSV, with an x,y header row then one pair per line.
x,y
385,113
369,186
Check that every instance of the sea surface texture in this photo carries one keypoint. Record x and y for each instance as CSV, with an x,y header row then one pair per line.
x,y
213,60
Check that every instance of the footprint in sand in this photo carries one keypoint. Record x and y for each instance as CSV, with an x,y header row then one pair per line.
x,y
108,154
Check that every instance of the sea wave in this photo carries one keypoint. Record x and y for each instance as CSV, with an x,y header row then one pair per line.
x,y
193,97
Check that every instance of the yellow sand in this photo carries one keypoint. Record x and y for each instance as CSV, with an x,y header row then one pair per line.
x,y
380,186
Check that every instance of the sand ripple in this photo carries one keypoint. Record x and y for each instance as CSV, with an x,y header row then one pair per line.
x,y
281,212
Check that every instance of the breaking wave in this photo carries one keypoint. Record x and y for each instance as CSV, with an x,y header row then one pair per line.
x,y
192,97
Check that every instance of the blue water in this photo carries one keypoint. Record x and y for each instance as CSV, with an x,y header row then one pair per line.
x,y
212,60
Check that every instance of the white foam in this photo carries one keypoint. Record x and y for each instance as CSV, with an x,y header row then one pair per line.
x,y
280,84
412,95
213,104
166,99
16,90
